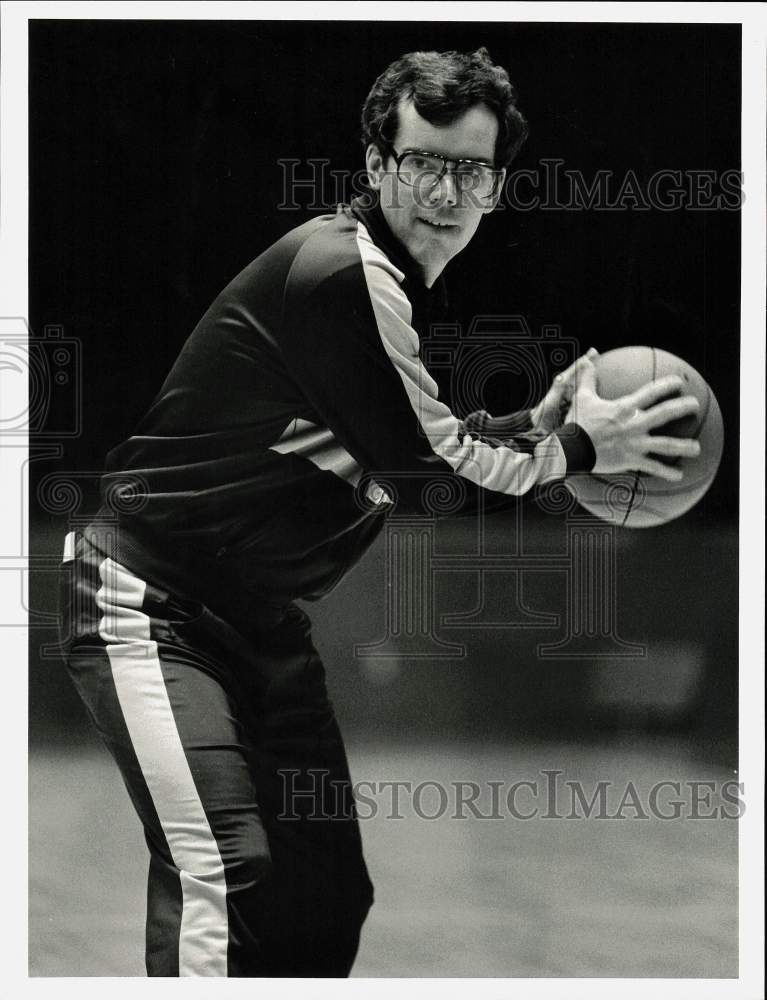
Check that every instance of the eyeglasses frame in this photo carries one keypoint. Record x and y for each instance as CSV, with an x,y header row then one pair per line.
x,y
399,157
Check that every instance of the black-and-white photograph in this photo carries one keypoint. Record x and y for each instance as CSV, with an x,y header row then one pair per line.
x,y
382,494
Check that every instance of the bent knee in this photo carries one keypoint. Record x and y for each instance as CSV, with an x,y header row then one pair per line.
x,y
365,899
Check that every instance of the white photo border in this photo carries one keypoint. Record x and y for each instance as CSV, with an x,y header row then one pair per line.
x,y
14,18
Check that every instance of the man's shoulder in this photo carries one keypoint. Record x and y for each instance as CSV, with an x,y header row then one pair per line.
x,y
299,260
335,256
332,255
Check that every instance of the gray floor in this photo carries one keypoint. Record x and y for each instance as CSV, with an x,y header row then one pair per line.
x,y
454,897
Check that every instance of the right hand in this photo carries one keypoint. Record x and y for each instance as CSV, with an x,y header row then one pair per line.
x,y
620,428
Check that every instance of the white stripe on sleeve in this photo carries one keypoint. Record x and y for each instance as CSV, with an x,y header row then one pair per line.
x,y
498,468
319,445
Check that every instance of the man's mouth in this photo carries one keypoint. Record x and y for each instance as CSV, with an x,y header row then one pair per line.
x,y
437,224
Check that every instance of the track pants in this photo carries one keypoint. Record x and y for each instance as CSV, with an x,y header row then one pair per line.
x,y
232,757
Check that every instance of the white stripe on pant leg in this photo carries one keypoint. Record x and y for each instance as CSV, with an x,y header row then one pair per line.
x,y
69,547
143,697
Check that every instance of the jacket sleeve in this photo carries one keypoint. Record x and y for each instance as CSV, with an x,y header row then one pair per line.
x,y
348,342
514,427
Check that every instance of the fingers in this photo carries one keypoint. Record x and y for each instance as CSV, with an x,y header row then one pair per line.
x,y
652,392
672,447
581,373
578,365
662,471
671,409
668,447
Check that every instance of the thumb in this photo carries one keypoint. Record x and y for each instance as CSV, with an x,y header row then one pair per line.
x,y
585,373
569,374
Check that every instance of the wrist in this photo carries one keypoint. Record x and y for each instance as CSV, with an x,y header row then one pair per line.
x,y
580,454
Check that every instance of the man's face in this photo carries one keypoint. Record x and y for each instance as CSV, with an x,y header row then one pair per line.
x,y
434,222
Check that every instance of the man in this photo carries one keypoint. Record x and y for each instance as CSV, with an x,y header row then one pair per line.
x,y
297,414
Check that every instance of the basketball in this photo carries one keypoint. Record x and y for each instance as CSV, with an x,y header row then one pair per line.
x,y
640,500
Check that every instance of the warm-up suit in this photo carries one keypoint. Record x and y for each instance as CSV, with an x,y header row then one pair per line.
x,y
298,412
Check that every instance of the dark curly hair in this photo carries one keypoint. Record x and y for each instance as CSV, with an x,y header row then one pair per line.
x,y
443,85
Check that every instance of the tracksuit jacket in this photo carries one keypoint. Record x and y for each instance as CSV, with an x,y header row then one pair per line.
x,y
298,413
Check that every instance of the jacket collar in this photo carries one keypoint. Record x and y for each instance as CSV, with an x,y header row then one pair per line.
x,y
367,209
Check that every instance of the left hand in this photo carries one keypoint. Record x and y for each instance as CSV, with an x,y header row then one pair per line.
x,y
552,409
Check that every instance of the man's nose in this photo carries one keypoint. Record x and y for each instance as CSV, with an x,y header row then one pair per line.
x,y
445,191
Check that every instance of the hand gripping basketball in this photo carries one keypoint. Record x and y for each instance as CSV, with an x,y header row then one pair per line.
x,y
621,429
657,452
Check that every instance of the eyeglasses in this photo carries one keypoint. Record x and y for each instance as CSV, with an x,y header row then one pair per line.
x,y
423,170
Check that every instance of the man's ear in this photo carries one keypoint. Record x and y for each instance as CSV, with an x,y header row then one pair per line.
x,y
498,189
374,161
